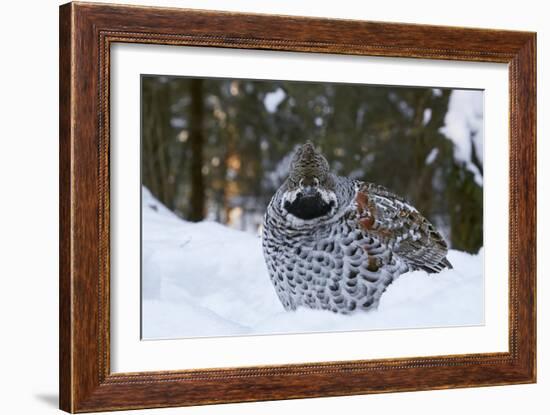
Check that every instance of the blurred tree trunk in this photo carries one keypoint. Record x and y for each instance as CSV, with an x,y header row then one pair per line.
x,y
196,141
162,131
156,140
231,162
149,176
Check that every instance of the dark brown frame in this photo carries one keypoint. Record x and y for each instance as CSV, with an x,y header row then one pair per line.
x,y
86,33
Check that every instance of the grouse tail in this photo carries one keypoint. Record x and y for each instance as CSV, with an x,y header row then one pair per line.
x,y
440,266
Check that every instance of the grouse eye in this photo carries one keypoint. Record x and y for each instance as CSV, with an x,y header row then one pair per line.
x,y
331,203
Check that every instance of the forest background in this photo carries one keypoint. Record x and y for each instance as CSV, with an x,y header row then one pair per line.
x,y
217,149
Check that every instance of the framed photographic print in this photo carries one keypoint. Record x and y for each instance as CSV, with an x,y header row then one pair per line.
x,y
260,207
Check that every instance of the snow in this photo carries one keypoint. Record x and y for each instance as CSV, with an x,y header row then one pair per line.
x,y
273,99
464,127
178,122
318,122
204,279
432,155
427,116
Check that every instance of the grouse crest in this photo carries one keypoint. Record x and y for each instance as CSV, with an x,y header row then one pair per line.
x,y
334,243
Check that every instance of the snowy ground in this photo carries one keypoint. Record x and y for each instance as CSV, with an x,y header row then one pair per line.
x,y
204,279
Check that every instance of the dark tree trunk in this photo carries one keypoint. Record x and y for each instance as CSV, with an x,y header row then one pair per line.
x,y
196,139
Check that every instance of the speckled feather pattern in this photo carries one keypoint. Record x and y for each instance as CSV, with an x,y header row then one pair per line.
x,y
345,260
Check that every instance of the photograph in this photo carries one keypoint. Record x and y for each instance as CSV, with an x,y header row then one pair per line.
x,y
272,204
284,207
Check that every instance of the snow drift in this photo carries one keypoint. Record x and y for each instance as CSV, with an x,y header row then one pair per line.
x,y
204,279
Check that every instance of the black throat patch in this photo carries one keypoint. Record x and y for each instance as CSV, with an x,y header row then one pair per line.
x,y
308,207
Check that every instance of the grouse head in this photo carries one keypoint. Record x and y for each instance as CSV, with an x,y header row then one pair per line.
x,y
309,192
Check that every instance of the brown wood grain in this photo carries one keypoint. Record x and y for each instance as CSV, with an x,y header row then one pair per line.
x,y
65,246
86,33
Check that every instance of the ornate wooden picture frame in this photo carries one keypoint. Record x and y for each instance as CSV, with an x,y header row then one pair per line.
x,y
87,32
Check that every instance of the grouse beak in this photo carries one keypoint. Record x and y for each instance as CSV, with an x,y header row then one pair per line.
x,y
308,191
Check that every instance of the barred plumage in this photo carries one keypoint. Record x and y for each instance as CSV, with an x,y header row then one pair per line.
x,y
335,243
